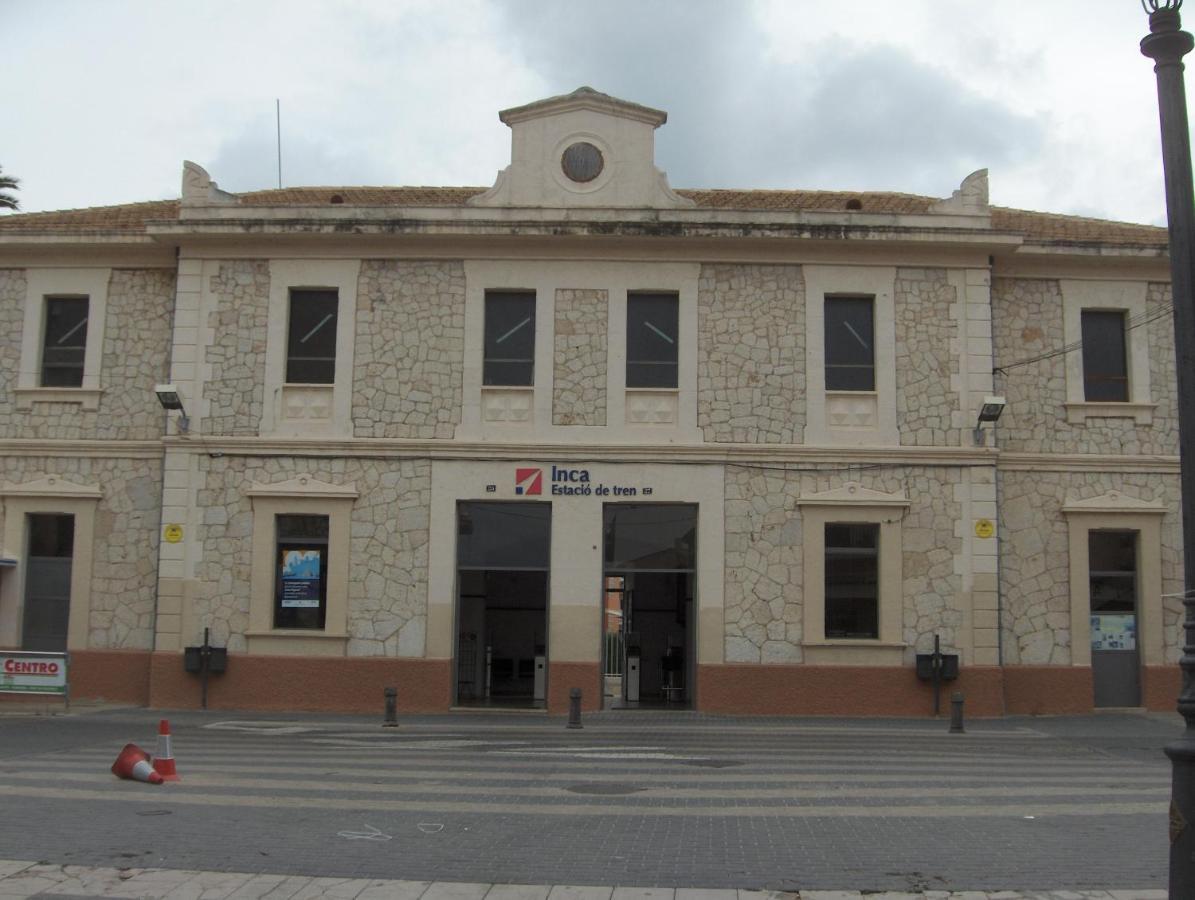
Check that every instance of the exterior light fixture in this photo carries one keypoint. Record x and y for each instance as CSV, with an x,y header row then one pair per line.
x,y
989,412
171,399
991,409
1153,6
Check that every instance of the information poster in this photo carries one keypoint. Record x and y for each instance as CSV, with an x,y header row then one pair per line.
x,y
301,578
1114,632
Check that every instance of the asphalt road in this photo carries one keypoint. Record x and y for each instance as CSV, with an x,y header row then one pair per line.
x,y
633,798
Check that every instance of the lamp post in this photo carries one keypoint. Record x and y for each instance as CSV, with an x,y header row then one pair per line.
x,y
1167,44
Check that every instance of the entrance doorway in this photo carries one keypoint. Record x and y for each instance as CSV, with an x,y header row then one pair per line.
x,y
648,642
502,603
1115,659
51,547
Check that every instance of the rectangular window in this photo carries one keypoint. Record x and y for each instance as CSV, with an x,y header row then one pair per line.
x,y
1112,557
1105,359
65,342
850,344
301,571
852,580
509,339
311,337
653,325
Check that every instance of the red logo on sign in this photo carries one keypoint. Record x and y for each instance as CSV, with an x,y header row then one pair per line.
x,y
529,481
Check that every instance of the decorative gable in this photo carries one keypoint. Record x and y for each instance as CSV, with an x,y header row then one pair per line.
x,y
1114,502
582,149
853,494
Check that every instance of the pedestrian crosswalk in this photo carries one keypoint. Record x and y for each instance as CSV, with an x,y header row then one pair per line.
x,y
665,801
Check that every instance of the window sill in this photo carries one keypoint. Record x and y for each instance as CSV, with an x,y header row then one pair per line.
x,y
88,398
1078,412
854,652
296,642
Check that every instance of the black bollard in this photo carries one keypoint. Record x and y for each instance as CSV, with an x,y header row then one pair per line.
x,y
391,708
956,713
574,708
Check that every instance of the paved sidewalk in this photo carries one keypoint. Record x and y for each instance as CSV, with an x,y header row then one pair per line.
x,y
20,879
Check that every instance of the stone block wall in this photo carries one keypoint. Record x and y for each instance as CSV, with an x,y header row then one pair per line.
x,y
135,356
751,353
124,561
579,366
1027,321
12,316
236,358
1035,567
408,368
764,585
925,329
389,533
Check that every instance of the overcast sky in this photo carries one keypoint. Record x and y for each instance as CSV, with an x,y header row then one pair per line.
x,y
104,99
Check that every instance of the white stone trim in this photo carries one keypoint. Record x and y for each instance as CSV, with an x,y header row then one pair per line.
x,y
1130,298
575,582
878,282
62,282
299,497
1116,512
853,503
50,494
328,274
617,280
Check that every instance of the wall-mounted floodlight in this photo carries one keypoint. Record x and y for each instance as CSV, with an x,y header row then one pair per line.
x,y
991,409
170,398
989,412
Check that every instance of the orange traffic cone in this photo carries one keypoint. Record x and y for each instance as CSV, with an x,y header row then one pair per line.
x,y
164,758
133,763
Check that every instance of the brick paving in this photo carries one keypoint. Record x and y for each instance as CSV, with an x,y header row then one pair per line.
x,y
692,807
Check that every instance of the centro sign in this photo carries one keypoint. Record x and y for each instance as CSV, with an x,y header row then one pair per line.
x,y
33,673
566,482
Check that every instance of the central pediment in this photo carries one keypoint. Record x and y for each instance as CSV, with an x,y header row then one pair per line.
x,y
584,149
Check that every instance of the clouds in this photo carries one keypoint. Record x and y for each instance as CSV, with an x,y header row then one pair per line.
x,y
760,93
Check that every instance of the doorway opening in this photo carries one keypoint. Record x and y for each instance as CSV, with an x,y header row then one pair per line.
x,y
502,603
1115,659
649,633
51,548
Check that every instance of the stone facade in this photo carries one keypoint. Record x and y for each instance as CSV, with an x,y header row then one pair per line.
x,y
124,562
12,316
751,354
410,349
926,335
764,579
236,358
388,543
138,329
1035,570
579,366
1027,321
134,358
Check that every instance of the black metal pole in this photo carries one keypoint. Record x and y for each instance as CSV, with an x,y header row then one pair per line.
x,y
205,655
937,667
574,708
1166,45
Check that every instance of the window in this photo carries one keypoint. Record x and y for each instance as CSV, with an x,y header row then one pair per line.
x,y
311,337
301,579
509,358
1105,361
652,332
48,582
64,343
852,580
850,344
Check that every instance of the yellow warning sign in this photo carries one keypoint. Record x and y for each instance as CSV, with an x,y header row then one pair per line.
x,y
984,528
173,533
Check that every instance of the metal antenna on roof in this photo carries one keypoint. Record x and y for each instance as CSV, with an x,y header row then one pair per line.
x,y
278,123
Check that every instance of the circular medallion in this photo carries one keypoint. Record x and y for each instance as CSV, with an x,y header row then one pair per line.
x,y
582,162
173,533
984,528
